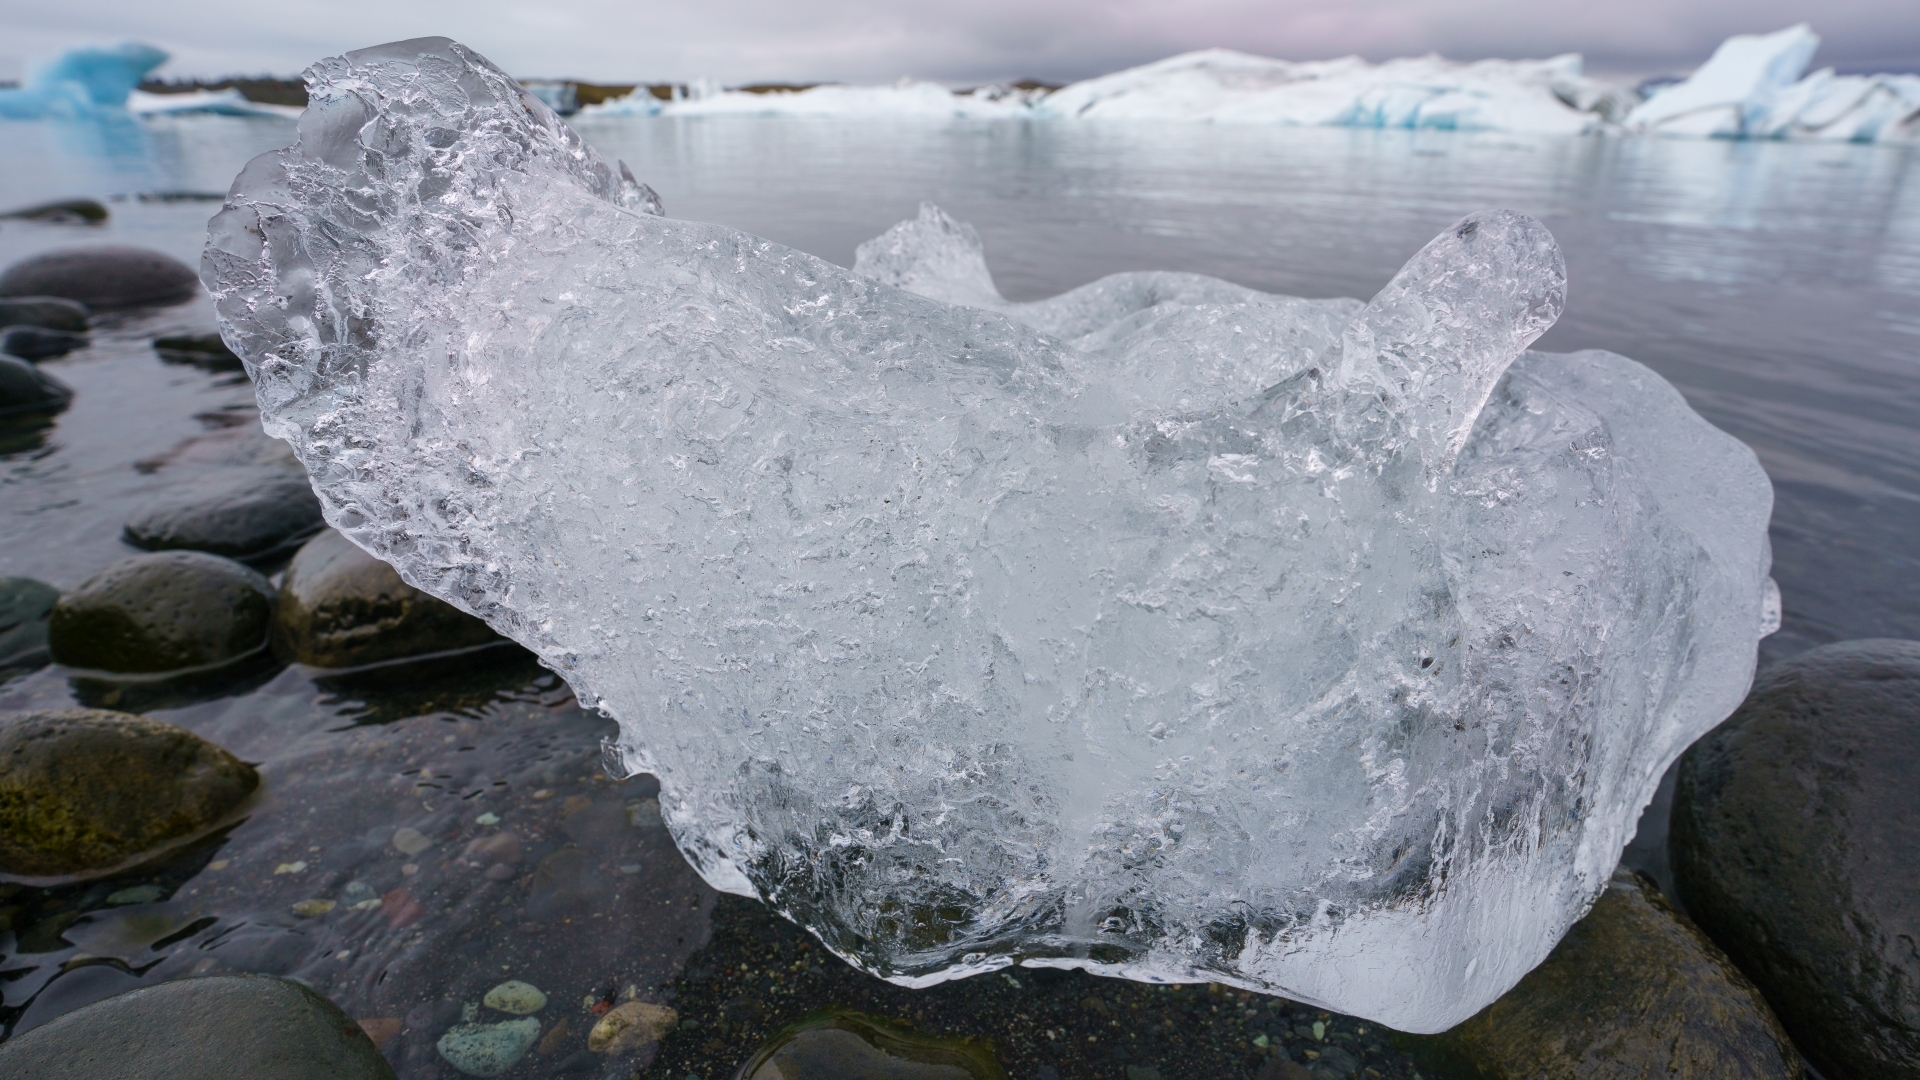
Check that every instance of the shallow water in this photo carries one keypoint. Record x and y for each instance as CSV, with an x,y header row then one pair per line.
x,y
1778,286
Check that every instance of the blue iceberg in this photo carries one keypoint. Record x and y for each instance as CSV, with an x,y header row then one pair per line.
x,y
81,83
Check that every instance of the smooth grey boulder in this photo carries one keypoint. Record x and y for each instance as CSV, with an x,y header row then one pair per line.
x,y
84,790
340,607
80,211
222,1027
25,606
242,513
49,312
37,343
26,389
205,351
169,612
107,276
1795,839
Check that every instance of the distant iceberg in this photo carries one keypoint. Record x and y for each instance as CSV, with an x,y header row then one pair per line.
x,y
1751,88
228,102
82,82
906,99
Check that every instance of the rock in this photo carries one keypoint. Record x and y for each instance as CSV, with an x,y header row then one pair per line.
x,y
410,841
36,343
1633,990
516,997
253,1026
249,514
313,909
630,1027
26,389
488,1049
341,607
51,312
201,350
1796,827
61,212
84,790
25,605
847,1046
381,1029
103,277
169,612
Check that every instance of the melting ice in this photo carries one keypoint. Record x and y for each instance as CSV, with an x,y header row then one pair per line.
x,y
1165,628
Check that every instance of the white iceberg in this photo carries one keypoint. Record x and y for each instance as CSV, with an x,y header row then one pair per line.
x,y
1751,88
228,102
81,83
907,98
1164,628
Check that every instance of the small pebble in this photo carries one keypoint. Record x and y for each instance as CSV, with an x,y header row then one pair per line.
x,y
631,1026
410,841
356,893
516,997
308,909
290,867
488,1049
488,818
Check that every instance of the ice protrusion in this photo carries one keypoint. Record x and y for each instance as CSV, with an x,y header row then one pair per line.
x,y
1163,628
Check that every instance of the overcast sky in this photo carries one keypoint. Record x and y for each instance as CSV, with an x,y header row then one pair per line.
x,y
975,41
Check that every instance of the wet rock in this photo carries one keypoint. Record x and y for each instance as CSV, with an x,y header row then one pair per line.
x,y
1796,826
200,350
83,790
169,612
103,277
341,607
250,514
253,1026
563,884
50,312
61,212
25,606
26,389
36,343
631,1027
488,1049
1633,990
410,841
516,997
846,1046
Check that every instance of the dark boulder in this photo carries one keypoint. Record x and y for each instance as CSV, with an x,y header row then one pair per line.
x,y
341,607
61,212
1634,990
169,612
1796,830
206,351
255,1027
85,790
103,277
36,343
51,312
842,1045
248,514
25,605
26,389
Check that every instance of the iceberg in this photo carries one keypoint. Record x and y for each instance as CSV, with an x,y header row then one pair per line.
x,y
1751,88
228,102
1164,628
81,83
907,98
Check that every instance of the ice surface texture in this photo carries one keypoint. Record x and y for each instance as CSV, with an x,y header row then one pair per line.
x,y
1164,628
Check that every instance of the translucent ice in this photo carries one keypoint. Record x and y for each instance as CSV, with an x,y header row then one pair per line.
x,y
1164,628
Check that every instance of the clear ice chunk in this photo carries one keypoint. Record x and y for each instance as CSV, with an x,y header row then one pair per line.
x,y
1163,628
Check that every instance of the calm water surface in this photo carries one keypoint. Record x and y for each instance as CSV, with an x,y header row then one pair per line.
x,y
1778,286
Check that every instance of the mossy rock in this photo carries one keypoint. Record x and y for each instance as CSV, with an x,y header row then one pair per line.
x,y
233,1027
842,1045
83,790
1796,829
170,612
340,607
1633,991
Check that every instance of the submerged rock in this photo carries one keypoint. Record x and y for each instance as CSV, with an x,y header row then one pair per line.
x,y
341,607
108,276
85,789
50,312
488,1049
516,997
1634,990
26,389
37,343
631,1027
169,612
61,212
25,606
201,350
248,514
847,1046
255,1027
1795,834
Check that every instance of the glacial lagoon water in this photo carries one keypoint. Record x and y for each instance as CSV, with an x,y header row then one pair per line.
x,y
1778,286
